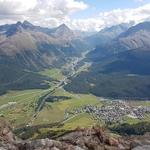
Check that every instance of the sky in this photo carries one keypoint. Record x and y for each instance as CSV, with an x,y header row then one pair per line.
x,y
86,15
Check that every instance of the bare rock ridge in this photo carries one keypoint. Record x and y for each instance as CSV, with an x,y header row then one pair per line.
x,y
95,138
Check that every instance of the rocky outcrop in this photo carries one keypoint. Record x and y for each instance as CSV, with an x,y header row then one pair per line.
x,y
140,142
95,138
144,147
46,144
7,139
81,139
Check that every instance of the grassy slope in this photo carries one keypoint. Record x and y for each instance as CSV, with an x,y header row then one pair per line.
x,y
82,120
53,73
54,112
25,100
22,111
17,96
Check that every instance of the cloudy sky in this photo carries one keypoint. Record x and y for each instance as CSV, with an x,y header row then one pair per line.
x,y
88,15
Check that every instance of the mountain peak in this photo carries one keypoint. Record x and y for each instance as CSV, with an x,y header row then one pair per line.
x,y
27,24
63,31
63,27
18,23
14,28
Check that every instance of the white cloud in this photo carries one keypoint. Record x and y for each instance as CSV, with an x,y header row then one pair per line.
x,y
39,11
113,17
126,15
51,13
16,7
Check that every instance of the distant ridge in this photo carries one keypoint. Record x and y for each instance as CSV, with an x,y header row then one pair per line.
x,y
24,46
120,67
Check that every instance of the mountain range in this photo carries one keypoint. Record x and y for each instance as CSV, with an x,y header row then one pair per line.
x,y
120,58
120,67
108,34
26,49
27,42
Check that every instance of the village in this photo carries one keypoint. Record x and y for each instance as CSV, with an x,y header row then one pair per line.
x,y
112,112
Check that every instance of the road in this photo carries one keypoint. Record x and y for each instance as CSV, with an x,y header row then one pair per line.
x,y
72,65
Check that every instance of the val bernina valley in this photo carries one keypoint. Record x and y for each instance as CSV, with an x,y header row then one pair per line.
x,y
76,85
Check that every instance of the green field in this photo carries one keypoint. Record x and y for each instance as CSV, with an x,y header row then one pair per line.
x,y
78,121
81,120
25,102
18,96
53,73
54,111
22,110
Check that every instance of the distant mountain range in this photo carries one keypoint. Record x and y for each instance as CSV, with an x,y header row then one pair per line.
x,y
25,48
120,67
108,34
36,47
130,51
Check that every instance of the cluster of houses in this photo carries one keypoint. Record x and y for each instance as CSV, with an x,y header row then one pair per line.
x,y
112,112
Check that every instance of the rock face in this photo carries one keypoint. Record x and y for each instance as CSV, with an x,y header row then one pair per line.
x,y
7,138
8,141
46,144
140,142
145,147
95,138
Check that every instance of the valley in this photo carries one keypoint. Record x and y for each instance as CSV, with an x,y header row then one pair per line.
x,y
37,107
60,82
55,110
31,97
